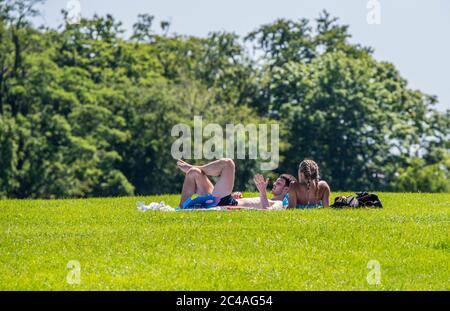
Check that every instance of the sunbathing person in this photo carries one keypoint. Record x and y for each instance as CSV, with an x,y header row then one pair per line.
x,y
309,191
280,190
197,182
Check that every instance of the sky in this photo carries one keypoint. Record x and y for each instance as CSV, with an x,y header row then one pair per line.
x,y
414,35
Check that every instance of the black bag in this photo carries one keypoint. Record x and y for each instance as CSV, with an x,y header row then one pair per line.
x,y
362,199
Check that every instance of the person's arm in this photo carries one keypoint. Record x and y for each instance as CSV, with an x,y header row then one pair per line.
x,y
277,205
293,195
261,184
326,195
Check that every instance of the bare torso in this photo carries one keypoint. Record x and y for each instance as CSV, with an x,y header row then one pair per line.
x,y
256,203
315,195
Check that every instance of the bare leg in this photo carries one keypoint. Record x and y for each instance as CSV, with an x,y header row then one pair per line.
x,y
225,169
195,182
211,169
184,166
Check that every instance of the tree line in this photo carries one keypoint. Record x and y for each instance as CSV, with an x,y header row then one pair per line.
x,y
86,111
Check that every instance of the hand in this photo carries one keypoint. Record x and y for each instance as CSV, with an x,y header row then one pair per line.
x,y
237,195
261,183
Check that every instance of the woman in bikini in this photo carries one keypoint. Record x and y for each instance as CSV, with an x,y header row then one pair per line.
x,y
309,191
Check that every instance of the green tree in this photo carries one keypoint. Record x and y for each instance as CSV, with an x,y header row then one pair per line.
x,y
86,112
355,116
419,176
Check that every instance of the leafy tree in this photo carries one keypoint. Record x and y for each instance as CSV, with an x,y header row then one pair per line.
x,y
355,116
86,112
419,176
8,156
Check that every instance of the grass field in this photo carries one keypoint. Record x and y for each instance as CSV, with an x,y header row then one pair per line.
x,y
119,248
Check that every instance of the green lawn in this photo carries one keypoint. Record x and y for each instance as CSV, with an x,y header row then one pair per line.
x,y
120,248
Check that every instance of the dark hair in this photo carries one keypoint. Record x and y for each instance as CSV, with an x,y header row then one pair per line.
x,y
288,179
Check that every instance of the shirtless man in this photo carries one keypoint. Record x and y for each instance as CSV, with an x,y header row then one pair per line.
x,y
197,182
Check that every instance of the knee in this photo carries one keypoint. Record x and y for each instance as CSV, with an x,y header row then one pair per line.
x,y
228,163
195,171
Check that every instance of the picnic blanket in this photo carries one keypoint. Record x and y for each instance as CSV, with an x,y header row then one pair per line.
x,y
163,207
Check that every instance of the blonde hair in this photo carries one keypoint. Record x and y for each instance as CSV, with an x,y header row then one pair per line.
x,y
312,174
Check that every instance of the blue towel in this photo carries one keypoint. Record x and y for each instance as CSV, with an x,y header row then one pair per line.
x,y
201,202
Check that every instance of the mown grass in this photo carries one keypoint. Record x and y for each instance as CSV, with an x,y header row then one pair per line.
x,y
120,248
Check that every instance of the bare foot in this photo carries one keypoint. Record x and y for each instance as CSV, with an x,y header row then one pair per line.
x,y
183,166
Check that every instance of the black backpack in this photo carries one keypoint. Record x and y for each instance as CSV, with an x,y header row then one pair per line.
x,y
362,199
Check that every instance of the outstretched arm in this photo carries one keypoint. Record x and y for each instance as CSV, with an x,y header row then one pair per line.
x,y
261,183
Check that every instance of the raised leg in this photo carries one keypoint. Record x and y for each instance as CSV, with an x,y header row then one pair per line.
x,y
195,182
184,166
225,169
